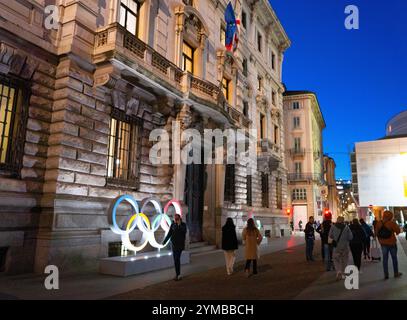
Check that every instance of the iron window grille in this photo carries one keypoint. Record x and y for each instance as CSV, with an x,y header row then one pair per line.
x,y
264,190
230,183
249,198
124,153
14,97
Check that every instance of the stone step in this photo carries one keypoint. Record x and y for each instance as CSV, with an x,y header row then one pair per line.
x,y
202,249
198,244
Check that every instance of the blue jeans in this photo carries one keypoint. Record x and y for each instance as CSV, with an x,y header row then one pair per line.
x,y
393,252
328,256
309,248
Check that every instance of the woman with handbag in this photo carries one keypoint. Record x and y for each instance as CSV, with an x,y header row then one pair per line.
x,y
252,238
339,236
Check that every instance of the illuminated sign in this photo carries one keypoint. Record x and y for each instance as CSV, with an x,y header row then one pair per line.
x,y
141,221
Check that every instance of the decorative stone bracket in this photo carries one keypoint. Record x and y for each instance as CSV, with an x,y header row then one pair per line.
x,y
16,62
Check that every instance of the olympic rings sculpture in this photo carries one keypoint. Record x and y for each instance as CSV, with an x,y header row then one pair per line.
x,y
140,220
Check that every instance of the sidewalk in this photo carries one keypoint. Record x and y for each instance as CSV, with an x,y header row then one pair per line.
x,y
97,286
372,285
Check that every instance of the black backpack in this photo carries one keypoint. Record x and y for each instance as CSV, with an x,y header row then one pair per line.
x,y
384,233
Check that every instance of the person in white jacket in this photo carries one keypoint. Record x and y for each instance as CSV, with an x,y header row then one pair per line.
x,y
340,235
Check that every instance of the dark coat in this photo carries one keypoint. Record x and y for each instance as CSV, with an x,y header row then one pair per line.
x,y
177,235
324,229
309,231
229,238
359,235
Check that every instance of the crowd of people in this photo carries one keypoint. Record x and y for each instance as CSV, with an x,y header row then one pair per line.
x,y
338,240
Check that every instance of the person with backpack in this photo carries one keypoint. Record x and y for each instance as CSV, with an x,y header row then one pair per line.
x,y
357,242
385,231
229,244
369,234
326,247
339,236
309,239
252,238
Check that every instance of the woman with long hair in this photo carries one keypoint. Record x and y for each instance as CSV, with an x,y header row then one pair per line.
x,y
252,237
229,244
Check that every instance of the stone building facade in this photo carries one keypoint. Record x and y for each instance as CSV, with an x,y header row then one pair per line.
x,y
78,104
304,124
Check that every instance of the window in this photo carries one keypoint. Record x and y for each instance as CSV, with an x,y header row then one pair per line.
x,y
223,35
245,108
129,15
226,88
13,118
262,126
297,144
296,105
249,191
279,191
230,183
259,83
264,190
273,97
298,167
244,19
3,258
259,41
245,67
276,135
273,61
187,58
296,122
299,194
124,149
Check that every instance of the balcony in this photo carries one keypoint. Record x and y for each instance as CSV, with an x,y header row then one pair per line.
x,y
115,43
297,152
268,156
306,177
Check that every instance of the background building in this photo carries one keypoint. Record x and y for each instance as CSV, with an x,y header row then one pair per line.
x,y
332,197
379,171
78,104
304,156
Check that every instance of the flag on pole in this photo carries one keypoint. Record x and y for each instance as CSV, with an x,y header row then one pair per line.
x,y
232,34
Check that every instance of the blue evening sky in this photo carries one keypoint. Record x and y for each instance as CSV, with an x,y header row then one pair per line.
x,y
360,76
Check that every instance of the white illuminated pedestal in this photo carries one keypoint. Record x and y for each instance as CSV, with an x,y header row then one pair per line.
x,y
140,263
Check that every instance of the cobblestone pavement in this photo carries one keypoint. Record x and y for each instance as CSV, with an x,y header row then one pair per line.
x,y
282,275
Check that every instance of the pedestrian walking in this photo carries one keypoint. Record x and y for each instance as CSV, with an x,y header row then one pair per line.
x,y
339,236
176,234
292,226
326,247
357,242
300,225
369,234
252,238
229,244
385,231
309,239
405,229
